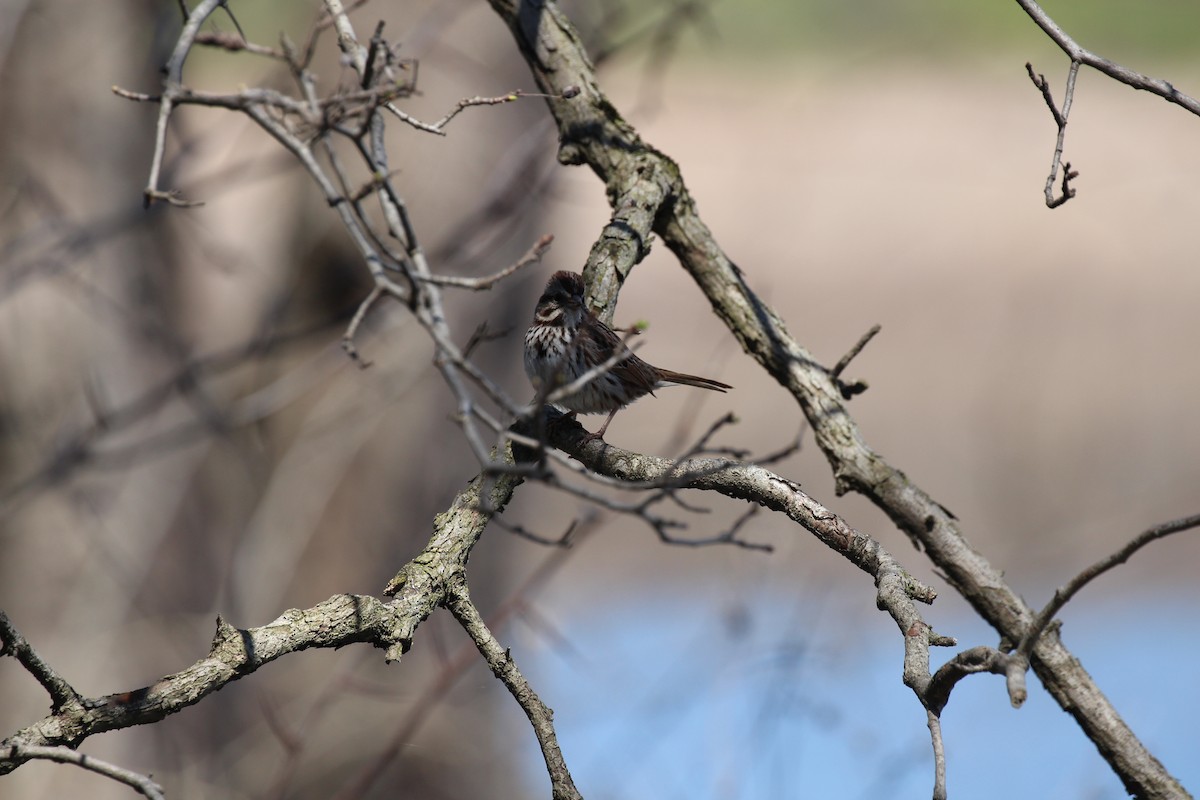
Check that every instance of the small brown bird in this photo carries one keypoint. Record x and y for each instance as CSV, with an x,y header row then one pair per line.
x,y
566,340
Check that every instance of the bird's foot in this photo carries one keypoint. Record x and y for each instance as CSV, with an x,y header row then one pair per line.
x,y
589,437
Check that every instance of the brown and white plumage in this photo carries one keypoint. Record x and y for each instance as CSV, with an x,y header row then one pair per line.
x,y
566,340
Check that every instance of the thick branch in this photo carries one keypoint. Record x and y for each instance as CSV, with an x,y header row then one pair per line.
x,y
742,481
592,131
896,588
419,588
234,653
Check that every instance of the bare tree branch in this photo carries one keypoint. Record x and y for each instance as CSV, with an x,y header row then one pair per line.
x,y
171,85
1081,55
454,666
1064,594
234,653
532,256
637,176
649,198
18,753
344,619
14,644
500,660
1060,119
858,387
939,756
968,662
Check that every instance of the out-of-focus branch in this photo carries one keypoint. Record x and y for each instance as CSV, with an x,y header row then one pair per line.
x,y
592,132
532,256
86,448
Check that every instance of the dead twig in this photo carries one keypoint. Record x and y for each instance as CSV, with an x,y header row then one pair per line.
x,y
1065,593
19,753
1060,119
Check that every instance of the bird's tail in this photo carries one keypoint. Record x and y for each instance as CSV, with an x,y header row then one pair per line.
x,y
692,380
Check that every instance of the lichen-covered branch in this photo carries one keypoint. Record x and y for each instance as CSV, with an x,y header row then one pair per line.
x,y
592,132
419,588
234,653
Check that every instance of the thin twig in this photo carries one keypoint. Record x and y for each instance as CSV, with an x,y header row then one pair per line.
x,y
501,662
620,354
481,334
1065,593
862,342
172,82
939,756
744,482
65,755
728,536
454,666
1060,119
236,44
1082,55
520,530
532,256
359,315
858,387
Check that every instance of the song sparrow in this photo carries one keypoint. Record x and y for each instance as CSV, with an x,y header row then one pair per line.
x,y
566,340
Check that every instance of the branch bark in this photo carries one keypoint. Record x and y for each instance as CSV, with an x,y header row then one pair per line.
x,y
592,132
234,653
419,588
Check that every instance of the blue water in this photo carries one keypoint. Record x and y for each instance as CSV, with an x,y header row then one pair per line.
x,y
668,700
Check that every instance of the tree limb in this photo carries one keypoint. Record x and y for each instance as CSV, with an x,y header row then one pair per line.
x,y
418,589
499,659
592,132
1082,55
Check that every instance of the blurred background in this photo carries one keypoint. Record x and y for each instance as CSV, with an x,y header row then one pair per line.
x,y
181,435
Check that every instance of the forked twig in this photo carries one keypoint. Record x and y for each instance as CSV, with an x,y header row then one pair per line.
x,y
1060,119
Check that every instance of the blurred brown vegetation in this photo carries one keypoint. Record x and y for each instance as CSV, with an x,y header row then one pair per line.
x,y
1036,372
